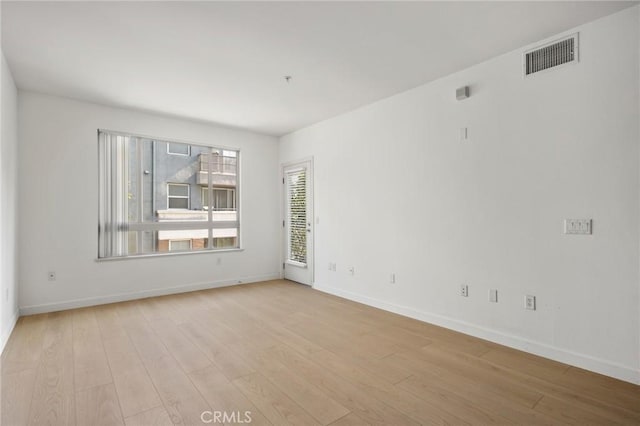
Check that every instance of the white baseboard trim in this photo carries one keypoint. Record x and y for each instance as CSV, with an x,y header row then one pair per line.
x,y
547,351
6,333
122,297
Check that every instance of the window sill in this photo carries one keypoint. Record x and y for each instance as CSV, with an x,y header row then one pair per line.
x,y
166,254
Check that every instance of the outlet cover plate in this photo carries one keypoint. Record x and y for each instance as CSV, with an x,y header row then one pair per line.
x,y
464,290
530,302
577,226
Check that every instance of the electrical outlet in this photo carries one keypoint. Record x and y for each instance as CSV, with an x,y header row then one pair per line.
x,y
392,278
352,270
530,302
464,290
493,295
51,275
577,226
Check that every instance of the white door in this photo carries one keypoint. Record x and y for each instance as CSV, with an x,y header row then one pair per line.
x,y
298,222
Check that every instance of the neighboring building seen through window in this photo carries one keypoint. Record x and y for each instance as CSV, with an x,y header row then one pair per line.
x,y
179,245
158,196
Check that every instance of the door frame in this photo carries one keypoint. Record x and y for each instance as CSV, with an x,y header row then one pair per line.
x,y
306,161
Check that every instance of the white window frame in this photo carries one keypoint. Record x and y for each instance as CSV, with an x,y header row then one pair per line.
x,y
178,153
182,197
114,220
190,243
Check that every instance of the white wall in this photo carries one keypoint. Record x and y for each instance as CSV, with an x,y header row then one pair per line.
x,y
396,191
8,204
58,208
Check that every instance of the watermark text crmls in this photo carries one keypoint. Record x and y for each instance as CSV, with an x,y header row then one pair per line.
x,y
239,417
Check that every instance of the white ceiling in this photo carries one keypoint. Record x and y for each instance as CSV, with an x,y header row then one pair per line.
x,y
225,62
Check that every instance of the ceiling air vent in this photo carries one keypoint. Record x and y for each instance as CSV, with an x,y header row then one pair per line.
x,y
551,55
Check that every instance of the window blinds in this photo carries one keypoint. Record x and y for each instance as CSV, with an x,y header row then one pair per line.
x,y
113,192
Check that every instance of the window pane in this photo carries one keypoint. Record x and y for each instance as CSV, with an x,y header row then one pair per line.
x,y
223,199
184,239
178,190
178,148
178,203
178,245
133,242
177,184
204,192
225,238
227,242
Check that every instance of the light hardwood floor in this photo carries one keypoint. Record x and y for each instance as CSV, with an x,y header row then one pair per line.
x,y
288,355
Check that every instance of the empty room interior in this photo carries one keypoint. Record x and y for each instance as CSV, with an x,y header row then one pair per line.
x,y
320,213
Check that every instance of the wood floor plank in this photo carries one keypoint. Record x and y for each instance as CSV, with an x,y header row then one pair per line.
x,y
372,346
16,391
91,369
136,392
170,381
188,355
588,378
422,361
350,419
188,411
324,336
271,402
420,410
535,366
315,401
98,406
221,394
349,395
228,362
405,338
570,414
89,359
390,372
122,355
484,397
601,388
24,348
53,400
295,341
456,365
269,319
452,402
154,417
109,322
148,345
463,362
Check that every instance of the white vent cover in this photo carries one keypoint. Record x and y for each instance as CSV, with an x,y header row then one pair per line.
x,y
551,55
